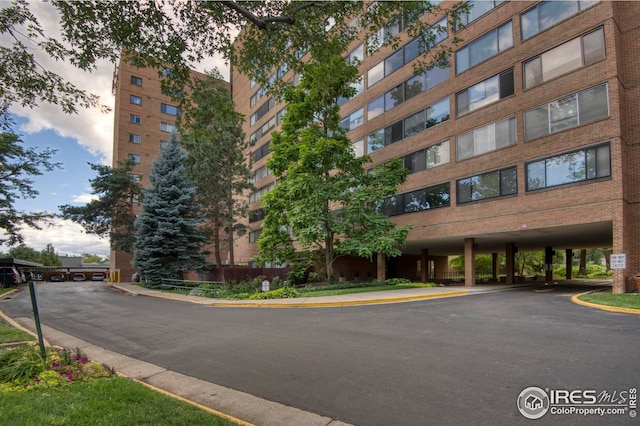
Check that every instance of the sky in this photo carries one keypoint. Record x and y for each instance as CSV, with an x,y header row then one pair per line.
x,y
86,137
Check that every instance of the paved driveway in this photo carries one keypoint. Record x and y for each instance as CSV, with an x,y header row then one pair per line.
x,y
460,360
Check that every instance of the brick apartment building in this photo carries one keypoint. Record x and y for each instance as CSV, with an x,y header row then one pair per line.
x,y
144,119
526,142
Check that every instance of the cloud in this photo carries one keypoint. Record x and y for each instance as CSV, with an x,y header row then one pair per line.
x,y
67,238
84,198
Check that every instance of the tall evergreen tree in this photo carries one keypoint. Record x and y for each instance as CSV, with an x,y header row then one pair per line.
x,y
168,239
211,132
112,213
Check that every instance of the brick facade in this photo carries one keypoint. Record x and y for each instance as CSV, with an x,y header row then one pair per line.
x,y
597,212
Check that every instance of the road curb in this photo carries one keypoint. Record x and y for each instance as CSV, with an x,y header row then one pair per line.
x,y
271,304
575,299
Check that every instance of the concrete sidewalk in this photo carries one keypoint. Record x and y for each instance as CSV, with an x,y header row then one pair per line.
x,y
240,407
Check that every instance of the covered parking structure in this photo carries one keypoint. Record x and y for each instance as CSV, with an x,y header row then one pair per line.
x,y
433,253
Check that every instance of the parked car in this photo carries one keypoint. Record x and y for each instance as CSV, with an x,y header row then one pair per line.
x,y
57,278
9,276
98,276
79,277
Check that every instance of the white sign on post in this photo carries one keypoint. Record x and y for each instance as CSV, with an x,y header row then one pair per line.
x,y
619,261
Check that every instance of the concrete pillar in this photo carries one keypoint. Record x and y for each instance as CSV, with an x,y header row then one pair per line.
x,y
469,262
510,262
382,267
424,265
568,262
494,267
548,263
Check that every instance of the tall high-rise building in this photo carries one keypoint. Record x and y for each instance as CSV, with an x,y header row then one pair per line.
x,y
145,117
526,142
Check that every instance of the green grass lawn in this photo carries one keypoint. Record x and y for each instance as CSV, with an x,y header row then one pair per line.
x,y
5,290
337,292
627,300
103,401
9,334
111,401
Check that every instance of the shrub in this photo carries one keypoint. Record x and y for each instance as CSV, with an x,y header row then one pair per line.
x,y
396,281
298,273
281,293
208,290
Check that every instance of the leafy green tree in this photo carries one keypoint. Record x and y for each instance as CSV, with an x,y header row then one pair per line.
x,y
323,204
168,237
17,167
46,257
211,132
49,257
179,33
112,213
92,258
484,263
25,253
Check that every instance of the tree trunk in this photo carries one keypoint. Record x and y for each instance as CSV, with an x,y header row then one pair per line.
x,y
582,270
607,258
216,242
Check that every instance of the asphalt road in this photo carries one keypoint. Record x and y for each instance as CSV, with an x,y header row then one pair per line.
x,y
455,361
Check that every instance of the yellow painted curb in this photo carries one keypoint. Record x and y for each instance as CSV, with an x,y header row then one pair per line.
x,y
8,293
575,299
335,304
188,401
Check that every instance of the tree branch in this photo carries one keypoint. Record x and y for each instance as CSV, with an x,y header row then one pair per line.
x,y
265,23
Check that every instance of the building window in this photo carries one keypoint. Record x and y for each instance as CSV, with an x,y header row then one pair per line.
x,y
576,166
136,80
415,201
260,174
358,148
133,138
254,235
405,54
353,120
415,123
485,47
356,55
567,57
407,90
260,152
256,215
358,85
548,13
169,109
256,97
486,139
262,110
478,8
574,110
427,158
486,92
136,100
134,157
135,119
264,130
255,196
487,185
168,127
